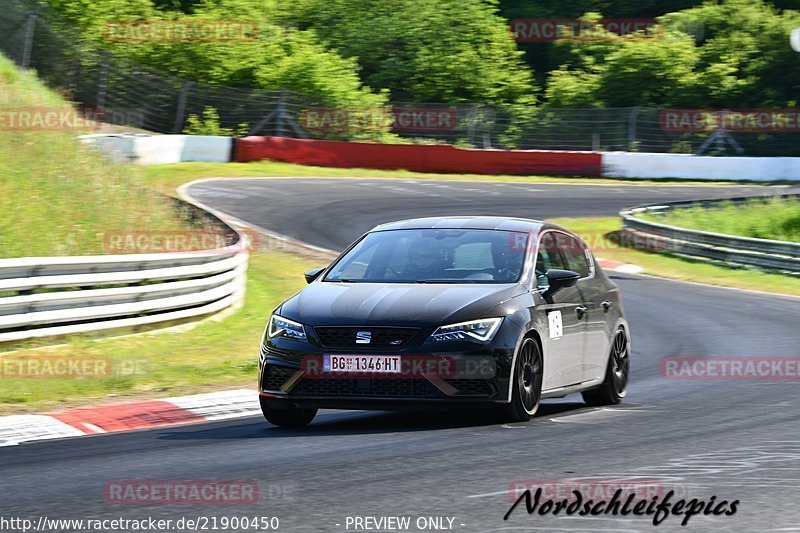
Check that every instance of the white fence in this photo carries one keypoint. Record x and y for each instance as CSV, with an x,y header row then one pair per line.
x,y
680,166
142,149
65,295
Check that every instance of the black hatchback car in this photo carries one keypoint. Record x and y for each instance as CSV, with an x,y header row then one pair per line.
x,y
435,313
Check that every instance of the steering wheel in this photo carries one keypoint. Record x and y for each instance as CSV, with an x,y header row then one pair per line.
x,y
393,271
506,274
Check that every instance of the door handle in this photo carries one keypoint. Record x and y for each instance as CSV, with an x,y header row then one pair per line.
x,y
607,305
581,310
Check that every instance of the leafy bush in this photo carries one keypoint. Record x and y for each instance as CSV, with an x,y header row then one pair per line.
x,y
740,59
208,124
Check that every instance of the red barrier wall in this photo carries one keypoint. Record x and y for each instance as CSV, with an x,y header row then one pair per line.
x,y
417,158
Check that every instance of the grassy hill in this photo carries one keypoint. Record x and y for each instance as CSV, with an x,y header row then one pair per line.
x,y
58,197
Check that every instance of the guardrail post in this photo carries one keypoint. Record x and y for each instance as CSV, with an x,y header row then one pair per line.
x,y
30,30
180,118
720,136
632,129
101,87
471,117
281,110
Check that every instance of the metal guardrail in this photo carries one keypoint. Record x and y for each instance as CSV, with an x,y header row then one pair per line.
x,y
66,295
714,247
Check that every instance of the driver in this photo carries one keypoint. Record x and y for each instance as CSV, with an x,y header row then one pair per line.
x,y
425,260
507,262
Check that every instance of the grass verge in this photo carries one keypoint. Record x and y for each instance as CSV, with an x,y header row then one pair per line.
x,y
598,234
167,177
768,218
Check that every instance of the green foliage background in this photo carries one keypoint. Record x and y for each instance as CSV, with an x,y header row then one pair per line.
x,y
361,53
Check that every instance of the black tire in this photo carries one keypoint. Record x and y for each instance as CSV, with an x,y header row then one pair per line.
x,y
286,417
615,385
526,393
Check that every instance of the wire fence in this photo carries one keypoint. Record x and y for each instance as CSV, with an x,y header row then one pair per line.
x,y
129,94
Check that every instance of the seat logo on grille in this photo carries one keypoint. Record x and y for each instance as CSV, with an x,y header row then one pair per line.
x,y
363,337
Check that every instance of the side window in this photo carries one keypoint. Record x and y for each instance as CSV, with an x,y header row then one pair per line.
x,y
575,254
547,257
356,266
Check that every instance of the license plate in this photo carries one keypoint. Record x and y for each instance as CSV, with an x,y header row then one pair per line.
x,y
369,364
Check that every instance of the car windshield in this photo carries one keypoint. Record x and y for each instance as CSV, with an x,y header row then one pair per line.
x,y
434,256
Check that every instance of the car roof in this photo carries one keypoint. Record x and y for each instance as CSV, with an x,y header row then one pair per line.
x,y
467,222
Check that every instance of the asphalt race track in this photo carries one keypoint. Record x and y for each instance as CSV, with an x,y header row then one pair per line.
x,y
332,213
736,440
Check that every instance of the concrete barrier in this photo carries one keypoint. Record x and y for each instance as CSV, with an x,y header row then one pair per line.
x,y
165,149
419,158
162,149
655,166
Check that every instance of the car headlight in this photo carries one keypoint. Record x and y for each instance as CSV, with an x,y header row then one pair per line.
x,y
283,327
480,330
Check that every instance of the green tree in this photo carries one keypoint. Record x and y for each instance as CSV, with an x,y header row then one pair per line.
x,y
742,59
745,58
91,16
272,57
423,50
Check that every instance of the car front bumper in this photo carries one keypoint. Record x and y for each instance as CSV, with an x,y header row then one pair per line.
x,y
465,374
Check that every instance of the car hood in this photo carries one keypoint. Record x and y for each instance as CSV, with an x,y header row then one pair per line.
x,y
375,304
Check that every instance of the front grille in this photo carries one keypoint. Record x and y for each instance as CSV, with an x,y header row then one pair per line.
x,y
275,376
383,338
383,387
472,387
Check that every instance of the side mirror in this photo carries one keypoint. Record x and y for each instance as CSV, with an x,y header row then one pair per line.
x,y
313,274
561,279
